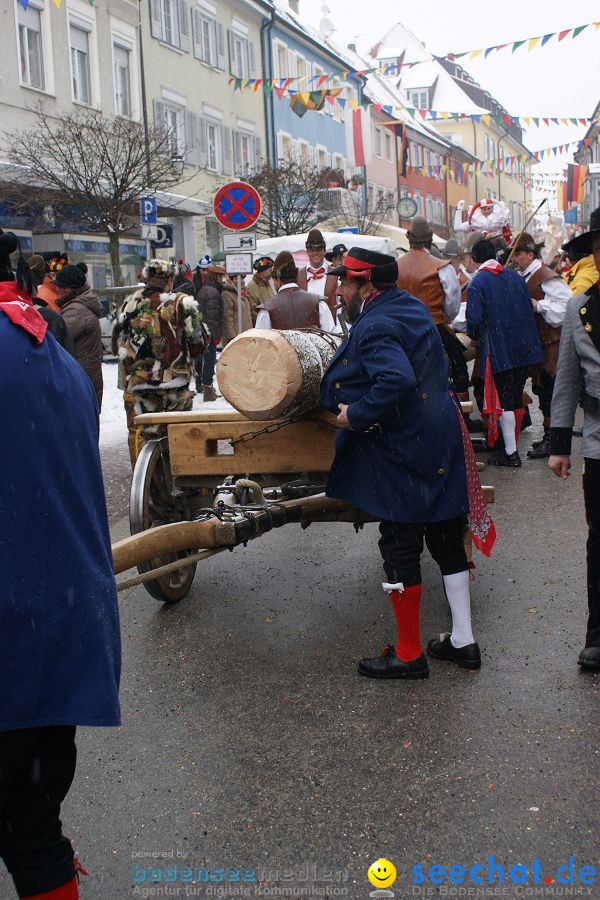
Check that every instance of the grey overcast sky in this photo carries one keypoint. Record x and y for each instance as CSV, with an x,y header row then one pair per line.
x,y
554,80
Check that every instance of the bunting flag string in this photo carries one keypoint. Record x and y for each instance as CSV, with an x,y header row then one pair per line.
x,y
57,3
283,90
393,69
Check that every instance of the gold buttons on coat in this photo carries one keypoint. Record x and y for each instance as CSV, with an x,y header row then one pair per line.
x,y
441,471
583,311
337,385
424,396
344,362
588,327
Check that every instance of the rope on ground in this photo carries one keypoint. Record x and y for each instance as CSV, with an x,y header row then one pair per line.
x,y
167,569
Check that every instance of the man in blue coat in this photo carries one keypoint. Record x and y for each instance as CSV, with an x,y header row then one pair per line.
x,y
59,625
500,317
399,455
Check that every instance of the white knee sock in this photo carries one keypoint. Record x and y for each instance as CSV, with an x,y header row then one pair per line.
x,y
457,593
507,426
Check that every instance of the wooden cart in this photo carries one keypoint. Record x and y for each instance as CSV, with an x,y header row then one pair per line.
x,y
209,481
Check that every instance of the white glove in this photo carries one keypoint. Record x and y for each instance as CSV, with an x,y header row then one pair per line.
x,y
460,205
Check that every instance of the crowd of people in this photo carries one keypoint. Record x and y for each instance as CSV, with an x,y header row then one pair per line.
x,y
408,328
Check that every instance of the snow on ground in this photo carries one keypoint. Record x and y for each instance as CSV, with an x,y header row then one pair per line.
x,y
113,424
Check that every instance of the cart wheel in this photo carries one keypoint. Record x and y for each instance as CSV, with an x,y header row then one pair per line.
x,y
151,504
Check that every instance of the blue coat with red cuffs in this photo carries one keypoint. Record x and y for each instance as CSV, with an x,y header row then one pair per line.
x,y
403,461
59,622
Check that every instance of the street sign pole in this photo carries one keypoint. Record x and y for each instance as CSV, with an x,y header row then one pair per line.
x,y
239,309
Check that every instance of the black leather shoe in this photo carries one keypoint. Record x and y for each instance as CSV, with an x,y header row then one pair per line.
x,y
509,460
589,658
388,665
545,437
539,449
467,657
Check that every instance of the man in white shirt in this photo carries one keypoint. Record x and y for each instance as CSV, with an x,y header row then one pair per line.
x,y
292,307
315,277
550,297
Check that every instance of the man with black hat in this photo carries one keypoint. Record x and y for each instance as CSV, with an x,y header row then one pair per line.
x,y
260,288
315,277
549,296
500,317
578,378
400,455
291,307
335,257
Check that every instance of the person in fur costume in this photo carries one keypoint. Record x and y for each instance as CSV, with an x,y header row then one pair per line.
x,y
161,333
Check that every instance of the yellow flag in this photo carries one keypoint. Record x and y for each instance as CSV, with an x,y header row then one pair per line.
x,y
354,104
486,119
527,121
531,43
475,53
57,3
445,115
564,122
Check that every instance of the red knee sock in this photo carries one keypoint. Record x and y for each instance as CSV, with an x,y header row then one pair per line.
x,y
406,609
67,891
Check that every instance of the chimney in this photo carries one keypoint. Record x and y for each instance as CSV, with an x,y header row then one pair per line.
x,y
352,47
294,6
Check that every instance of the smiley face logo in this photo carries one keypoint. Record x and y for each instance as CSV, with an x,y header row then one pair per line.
x,y
381,873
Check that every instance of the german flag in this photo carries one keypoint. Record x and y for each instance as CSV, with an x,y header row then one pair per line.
x,y
575,179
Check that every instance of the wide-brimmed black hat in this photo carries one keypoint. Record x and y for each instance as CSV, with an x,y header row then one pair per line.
x,y
336,251
361,263
582,244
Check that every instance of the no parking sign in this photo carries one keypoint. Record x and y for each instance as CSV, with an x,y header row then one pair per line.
x,y
237,205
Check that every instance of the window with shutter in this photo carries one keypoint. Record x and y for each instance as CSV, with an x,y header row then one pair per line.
x,y
220,30
155,28
160,122
203,142
257,153
197,35
227,167
192,154
184,25
251,60
237,153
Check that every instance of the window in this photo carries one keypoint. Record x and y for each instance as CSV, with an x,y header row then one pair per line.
x,y
370,197
30,46
378,145
169,22
80,64
417,199
122,80
429,208
208,39
419,98
414,154
169,121
380,200
281,61
390,201
247,152
241,55
388,146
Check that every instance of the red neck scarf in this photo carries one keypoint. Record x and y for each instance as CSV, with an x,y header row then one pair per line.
x,y
16,305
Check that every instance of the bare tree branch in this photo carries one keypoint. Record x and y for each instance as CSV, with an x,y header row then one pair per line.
x,y
99,165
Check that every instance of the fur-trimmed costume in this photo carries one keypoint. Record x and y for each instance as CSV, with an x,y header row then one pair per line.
x,y
161,334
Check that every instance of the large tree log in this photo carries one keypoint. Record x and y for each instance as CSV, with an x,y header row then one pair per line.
x,y
267,374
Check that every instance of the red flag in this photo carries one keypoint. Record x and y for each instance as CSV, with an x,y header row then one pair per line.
x,y
357,135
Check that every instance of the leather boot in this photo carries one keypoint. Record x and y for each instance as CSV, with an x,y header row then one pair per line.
x,y
208,393
540,449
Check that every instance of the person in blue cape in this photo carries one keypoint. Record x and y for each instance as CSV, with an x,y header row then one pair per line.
x,y
400,455
59,624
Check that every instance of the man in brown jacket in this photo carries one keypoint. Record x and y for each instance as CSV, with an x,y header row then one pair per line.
x,y
314,277
260,288
293,307
435,283
82,311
